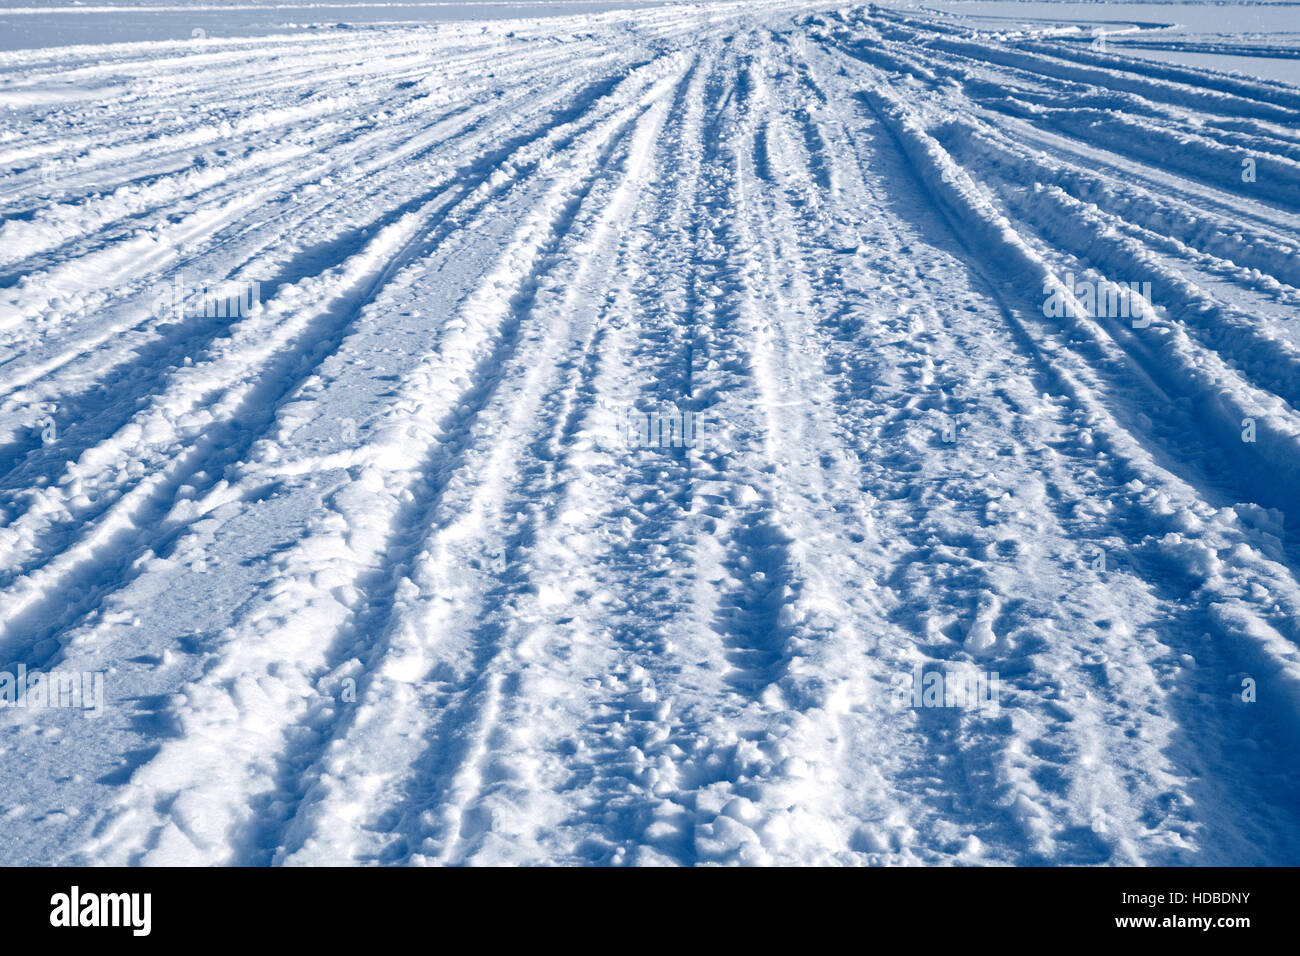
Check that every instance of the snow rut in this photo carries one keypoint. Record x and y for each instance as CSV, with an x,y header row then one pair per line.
x,y
629,411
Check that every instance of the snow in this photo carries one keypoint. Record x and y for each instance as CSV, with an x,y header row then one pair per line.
x,y
347,359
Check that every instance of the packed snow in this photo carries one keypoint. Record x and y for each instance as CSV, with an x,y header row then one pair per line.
x,y
740,433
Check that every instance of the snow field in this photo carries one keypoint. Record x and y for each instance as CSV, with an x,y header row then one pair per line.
x,y
376,575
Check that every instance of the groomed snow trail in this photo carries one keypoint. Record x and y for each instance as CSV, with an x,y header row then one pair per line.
x,y
381,570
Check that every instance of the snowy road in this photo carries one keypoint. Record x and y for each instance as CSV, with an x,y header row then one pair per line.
x,y
379,564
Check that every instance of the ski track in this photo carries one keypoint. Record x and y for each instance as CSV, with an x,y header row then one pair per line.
x,y
381,571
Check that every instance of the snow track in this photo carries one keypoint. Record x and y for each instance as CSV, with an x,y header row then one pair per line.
x,y
384,569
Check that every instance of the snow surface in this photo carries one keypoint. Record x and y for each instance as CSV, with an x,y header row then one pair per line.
x,y
25,25
384,568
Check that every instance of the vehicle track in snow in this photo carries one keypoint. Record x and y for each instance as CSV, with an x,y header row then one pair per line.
x,y
378,573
